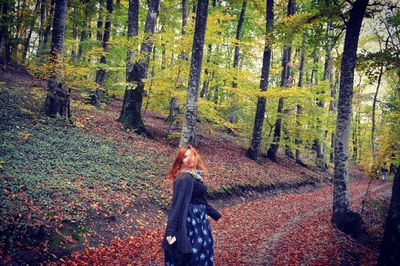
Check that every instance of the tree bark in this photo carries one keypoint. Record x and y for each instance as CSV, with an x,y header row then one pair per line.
x,y
342,216
253,150
298,141
373,114
131,113
99,35
286,57
133,30
390,248
49,16
188,135
233,107
57,100
101,73
31,27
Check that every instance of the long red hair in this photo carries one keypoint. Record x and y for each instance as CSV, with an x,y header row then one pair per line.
x,y
175,169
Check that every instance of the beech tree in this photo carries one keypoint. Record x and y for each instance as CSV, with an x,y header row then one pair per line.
x,y
188,135
131,113
342,215
253,150
57,99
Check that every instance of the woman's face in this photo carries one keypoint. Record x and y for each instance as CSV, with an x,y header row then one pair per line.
x,y
188,159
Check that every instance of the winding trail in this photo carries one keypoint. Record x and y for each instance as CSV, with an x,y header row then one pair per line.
x,y
291,229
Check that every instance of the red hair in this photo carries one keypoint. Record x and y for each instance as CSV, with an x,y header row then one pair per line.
x,y
174,171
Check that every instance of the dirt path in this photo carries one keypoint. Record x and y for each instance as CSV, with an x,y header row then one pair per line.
x,y
254,233
292,229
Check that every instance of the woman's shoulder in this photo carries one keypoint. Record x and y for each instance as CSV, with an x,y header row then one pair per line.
x,y
184,176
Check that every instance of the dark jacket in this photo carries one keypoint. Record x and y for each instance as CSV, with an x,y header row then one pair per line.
x,y
176,225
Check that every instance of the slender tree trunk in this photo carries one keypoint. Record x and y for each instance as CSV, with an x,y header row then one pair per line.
x,y
101,73
188,135
253,150
342,216
233,106
373,114
320,159
31,27
133,30
273,149
238,34
174,102
390,248
298,141
57,100
99,35
50,18
43,4
332,109
131,113
83,36
4,31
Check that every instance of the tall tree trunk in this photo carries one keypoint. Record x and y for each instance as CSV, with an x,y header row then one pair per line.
x,y
57,100
50,17
390,247
188,135
133,30
342,216
238,33
4,31
253,150
131,115
373,114
233,107
101,73
43,4
74,35
31,26
83,35
298,141
99,35
273,149
320,158
332,109
174,102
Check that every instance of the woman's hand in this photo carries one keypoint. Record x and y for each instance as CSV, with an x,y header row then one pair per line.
x,y
171,239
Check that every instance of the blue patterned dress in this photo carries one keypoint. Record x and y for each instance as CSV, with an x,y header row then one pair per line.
x,y
199,233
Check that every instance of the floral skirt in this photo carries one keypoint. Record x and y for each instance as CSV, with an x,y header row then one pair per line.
x,y
199,234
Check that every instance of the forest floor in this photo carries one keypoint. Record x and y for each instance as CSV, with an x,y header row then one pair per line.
x,y
288,229
91,188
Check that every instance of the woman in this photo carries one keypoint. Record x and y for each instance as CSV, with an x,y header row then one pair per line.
x,y
187,239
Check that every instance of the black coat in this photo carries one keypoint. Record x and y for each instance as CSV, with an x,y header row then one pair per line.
x,y
176,225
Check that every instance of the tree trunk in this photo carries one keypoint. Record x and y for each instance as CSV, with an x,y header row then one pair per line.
x,y
42,21
286,57
298,141
131,113
342,216
188,135
4,31
233,107
57,100
320,158
82,39
253,150
99,35
390,248
332,109
101,73
373,114
31,26
50,16
133,30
